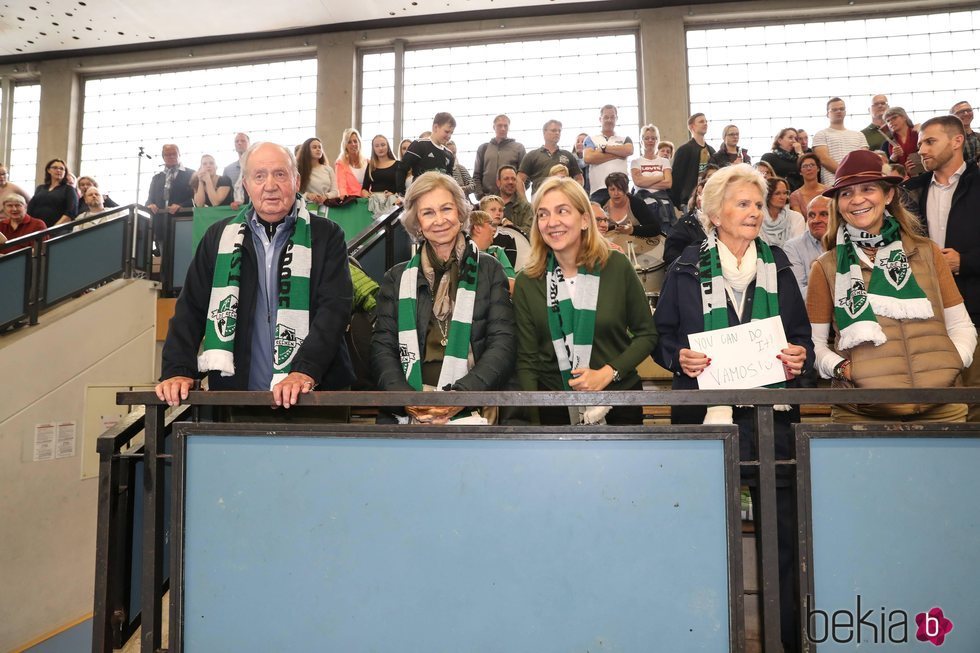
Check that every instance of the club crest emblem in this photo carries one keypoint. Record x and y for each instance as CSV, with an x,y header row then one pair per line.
x,y
225,318
896,269
286,344
855,299
407,358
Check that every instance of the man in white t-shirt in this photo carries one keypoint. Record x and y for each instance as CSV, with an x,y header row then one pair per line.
x,y
832,144
606,153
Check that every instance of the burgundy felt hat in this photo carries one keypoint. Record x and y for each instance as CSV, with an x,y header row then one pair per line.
x,y
859,167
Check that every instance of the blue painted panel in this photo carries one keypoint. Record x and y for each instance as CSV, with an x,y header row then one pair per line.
x,y
897,521
183,250
76,639
304,543
13,279
80,259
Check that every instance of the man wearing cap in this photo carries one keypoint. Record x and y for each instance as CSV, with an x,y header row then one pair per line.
x,y
268,292
948,199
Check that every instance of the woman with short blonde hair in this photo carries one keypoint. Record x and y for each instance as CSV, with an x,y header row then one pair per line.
x,y
445,320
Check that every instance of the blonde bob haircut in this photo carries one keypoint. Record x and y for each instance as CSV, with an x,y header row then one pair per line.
x,y
425,184
593,251
718,184
907,223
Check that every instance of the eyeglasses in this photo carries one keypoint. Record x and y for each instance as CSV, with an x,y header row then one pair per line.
x,y
963,112
808,166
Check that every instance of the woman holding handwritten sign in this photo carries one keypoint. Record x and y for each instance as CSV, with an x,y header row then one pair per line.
x,y
898,317
731,278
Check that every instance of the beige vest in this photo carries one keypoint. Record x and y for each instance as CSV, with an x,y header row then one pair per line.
x,y
918,353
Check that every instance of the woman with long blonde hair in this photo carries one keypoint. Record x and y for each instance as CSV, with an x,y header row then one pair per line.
x,y
583,321
351,165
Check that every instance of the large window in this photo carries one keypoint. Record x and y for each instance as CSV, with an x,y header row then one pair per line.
x,y
23,138
378,95
765,78
199,110
531,81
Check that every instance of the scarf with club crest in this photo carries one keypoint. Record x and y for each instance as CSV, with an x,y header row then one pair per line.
x,y
891,292
293,315
714,301
455,362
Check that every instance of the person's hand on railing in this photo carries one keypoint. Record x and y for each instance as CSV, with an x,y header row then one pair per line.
x,y
433,414
174,389
286,393
589,380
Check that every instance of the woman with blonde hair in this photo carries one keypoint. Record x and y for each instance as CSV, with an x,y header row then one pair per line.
x,y
583,321
888,295
444,320
351,165
380,177
210,188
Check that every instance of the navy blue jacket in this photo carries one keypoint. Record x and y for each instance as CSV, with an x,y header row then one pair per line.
x,y
962,229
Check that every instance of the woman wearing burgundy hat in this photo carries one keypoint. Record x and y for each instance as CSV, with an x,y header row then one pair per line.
x,y
898,319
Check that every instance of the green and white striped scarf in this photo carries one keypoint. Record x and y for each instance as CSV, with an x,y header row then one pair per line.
x,y
714,300
454,363
892,291
293,315
572,325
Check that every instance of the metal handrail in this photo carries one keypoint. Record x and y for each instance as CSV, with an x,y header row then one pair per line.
x,y
35,281
755,397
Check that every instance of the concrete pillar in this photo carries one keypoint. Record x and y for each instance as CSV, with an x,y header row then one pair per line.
x,y
663,51
335,91
60,115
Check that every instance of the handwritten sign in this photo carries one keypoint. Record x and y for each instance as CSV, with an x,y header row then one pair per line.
x,y
742,356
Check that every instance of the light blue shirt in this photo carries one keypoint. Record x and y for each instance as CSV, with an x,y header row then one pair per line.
x,y
802,251
267,255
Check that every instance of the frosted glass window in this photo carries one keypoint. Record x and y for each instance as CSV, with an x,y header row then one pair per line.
x,y
200,110
23,138
764,78
378,96
530,80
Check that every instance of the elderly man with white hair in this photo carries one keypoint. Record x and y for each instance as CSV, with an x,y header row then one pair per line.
x,y
268,293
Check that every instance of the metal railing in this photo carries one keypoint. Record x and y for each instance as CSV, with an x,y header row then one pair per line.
x,y
116,491
59,263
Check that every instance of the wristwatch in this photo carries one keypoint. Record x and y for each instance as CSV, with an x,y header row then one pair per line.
x,y
616,377
839,369
602,148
